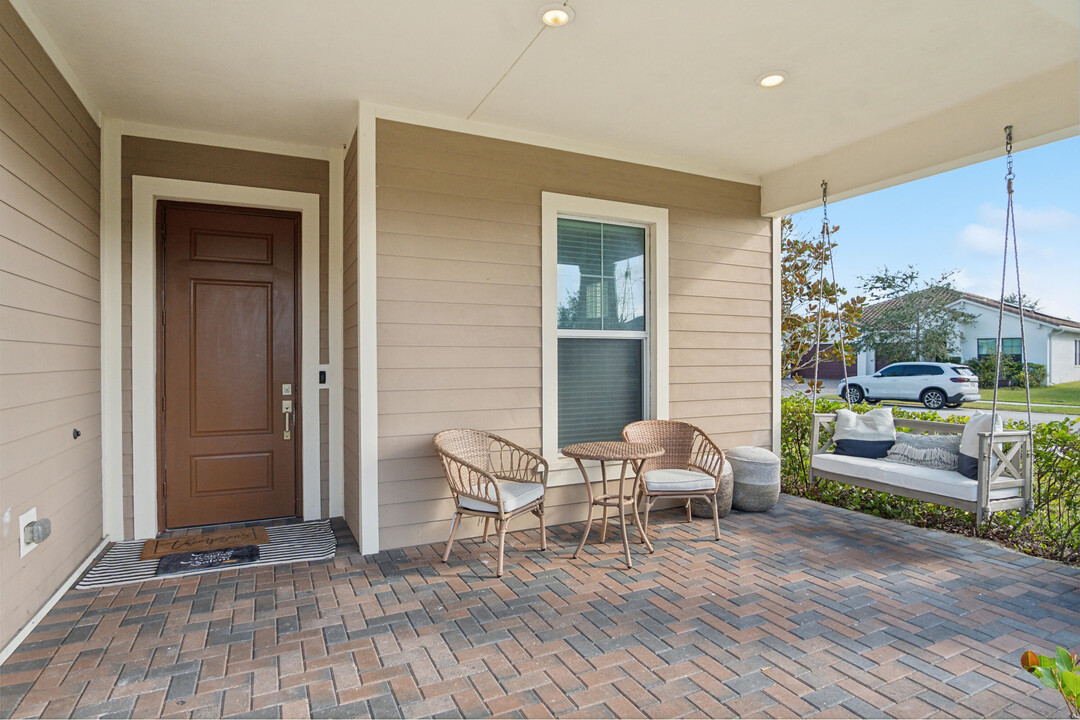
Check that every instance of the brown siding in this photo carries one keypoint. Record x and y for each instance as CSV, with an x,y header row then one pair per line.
x,y
183,161
50,333
459,304
351,363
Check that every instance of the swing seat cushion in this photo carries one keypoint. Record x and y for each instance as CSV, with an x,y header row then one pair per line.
x,y
906,477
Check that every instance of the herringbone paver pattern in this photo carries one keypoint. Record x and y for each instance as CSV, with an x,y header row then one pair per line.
x,y
804,611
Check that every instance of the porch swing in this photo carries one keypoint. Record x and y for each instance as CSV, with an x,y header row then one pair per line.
x,y
1003,476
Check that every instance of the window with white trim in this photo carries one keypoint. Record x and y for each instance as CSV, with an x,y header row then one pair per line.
x,y
1076,353
602,328
605,318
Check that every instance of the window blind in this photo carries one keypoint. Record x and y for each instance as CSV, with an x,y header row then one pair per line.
x,y
600,388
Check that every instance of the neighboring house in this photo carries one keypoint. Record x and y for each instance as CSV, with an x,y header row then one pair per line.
x,y
1051,341
256,254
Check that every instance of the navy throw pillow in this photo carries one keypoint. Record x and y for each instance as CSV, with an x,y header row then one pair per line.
x,y
967,466
863,448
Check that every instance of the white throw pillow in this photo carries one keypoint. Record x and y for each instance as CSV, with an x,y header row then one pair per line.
x,y
869,435
968,462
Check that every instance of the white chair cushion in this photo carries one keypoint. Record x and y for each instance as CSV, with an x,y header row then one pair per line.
x,y
514,495
911,477
678,481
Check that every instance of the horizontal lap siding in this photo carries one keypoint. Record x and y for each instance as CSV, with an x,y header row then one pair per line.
x,y
50,330
185,161
351,361
459,305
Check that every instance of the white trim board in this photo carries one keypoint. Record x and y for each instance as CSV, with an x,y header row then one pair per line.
x,y
237,142
563,470
145,192
51,602
111,277
335,313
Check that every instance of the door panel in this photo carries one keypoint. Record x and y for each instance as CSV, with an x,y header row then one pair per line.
x,y
229,348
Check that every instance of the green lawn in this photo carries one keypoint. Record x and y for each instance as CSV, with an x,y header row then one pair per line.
x,y
1062,394
1070,410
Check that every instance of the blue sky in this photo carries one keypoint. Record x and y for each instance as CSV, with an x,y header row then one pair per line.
x,y
956,221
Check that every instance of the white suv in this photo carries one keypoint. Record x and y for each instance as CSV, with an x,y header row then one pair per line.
x,y
935,385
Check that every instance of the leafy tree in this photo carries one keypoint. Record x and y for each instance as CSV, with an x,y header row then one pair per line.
x,y
911,318
802,259
1030,303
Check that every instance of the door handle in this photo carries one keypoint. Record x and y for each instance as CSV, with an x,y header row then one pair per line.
x,y
287,409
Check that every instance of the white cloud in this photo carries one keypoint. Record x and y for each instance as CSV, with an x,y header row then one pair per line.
x,y
983,239
988,234
1052,284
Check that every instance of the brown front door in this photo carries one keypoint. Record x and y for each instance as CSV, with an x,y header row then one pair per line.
x,y
228,364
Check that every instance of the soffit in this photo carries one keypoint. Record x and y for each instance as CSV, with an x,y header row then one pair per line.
x,y
672,79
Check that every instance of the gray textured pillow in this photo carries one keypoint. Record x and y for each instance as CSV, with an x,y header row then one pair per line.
x,y
941,452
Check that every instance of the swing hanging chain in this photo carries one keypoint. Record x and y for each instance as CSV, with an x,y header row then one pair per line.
x,y
820,303
826,258
1010,226
827,235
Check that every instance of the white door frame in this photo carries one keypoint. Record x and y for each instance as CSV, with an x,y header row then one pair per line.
x,y
145,192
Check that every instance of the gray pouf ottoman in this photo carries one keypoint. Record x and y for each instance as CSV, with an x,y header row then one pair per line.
x,y
757,478
703,508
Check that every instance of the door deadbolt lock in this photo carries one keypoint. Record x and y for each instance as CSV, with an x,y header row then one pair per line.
x,y
287,409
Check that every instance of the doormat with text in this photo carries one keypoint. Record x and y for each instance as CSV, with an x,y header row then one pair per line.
x,y
183,562
299,542
220,540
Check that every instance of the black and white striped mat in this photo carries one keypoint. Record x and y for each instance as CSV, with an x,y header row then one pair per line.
x,y
301,542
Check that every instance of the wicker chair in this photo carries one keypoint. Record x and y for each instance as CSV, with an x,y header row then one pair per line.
x,y
691,467
491,478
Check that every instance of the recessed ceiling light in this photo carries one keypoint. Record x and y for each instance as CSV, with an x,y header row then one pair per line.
x,y
772,79
556,15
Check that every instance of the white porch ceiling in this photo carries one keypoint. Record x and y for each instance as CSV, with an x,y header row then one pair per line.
x,y
672,80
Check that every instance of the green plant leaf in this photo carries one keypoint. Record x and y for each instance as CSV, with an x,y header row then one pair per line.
x,y
1064,660
1048,680
1070,685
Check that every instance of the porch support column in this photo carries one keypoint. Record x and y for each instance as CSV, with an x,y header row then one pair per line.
x,y
367,340
777,340
112,390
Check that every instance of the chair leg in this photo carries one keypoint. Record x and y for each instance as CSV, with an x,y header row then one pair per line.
x,y
487,526
645,520
715,516
453,531
688,516
500,527
543,527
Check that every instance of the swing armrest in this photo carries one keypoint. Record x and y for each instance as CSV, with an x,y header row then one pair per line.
x,y
821,420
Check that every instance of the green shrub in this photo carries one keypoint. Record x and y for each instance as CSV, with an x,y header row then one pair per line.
x,y
1051,529
1012,372
1036,375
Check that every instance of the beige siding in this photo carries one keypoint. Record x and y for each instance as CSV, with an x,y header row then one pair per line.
x,y
50,334
351,361
459,304
162,158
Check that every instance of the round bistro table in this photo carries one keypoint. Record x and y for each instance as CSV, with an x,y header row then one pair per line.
x,y
607,452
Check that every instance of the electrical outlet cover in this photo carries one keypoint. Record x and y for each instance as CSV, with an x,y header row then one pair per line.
x,y
25,519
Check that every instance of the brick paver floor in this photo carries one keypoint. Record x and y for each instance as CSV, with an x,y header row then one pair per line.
x,y
807,610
